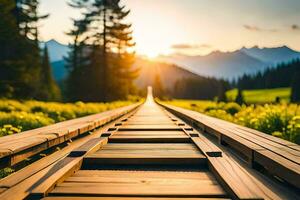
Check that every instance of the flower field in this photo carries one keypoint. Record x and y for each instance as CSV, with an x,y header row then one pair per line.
x,y
280,120
17,116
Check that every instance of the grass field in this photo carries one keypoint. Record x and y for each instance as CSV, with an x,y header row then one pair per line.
x,y
261,96
280,120
17,116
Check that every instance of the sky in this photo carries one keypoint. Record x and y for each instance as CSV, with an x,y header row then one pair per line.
x,y
194,27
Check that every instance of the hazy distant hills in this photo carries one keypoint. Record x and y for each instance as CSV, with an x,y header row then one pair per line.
x,y
233,64
169,73
216,64
272,55
57,51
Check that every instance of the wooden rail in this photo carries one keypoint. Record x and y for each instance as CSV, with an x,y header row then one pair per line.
x,y
16,148
153,154
278,157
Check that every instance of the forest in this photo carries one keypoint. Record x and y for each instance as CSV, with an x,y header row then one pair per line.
x,y
100,60
101,63
283,75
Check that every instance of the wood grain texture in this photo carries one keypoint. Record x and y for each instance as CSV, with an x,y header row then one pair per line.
x,y
142,183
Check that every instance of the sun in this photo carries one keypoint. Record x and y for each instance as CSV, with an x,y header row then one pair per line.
x,y
152,55
153,52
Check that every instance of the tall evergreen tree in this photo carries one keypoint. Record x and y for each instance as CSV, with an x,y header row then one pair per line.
x,y
222,91
120,71
158,90
295,97
239,98
20,60
100,52
77,60
49,89
9,37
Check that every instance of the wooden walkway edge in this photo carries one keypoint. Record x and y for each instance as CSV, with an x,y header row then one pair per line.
x,y
152,153
15,148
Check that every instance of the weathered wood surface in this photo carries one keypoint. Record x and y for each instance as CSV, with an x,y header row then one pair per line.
x,y
279,157
16,148
151,154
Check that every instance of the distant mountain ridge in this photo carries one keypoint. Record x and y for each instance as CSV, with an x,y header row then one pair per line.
x,y
233,64
217,64
169,73
272,55
57,51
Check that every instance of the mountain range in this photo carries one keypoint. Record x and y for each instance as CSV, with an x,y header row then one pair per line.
x,y
234,64
217,64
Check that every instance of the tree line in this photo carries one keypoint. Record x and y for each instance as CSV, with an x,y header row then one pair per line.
x,y
101,57
206,88
196,87
100,61
24,69
283,75
201,88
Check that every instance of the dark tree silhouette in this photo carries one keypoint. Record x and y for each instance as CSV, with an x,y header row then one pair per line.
x,y
20,59
158,89
295,97
49,89
100,58
239,98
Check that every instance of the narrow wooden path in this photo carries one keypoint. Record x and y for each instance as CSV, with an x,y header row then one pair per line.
x,y
149,154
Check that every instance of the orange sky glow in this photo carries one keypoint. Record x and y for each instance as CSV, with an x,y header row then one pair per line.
x,y
194,27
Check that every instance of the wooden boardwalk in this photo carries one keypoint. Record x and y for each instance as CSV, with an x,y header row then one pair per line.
x,y
151,154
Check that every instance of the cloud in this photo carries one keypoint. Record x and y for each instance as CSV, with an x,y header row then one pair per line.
x,y
295,27
258,29
189,46
252,28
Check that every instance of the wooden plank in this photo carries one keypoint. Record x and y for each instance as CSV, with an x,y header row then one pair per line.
x,y
2,190
132,122
125,198
145,146
140,153
143,190
130,159
281,167
236,177
138,185
91,181
206,147
155,127
202,174
89,147
282,150
57,173
19,184
150,139
146,153
24,188
17,147
122,133
137,136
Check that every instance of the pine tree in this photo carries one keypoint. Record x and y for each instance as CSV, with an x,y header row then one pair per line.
x,y
222,91
49,90
103,54
9,37
158,90
77,60
20,60
121,70
240,98
295,96
28,18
